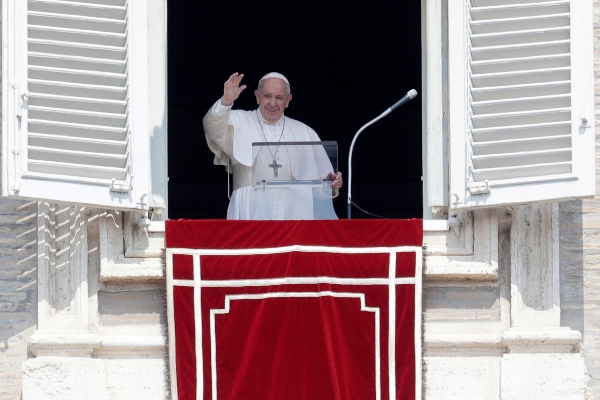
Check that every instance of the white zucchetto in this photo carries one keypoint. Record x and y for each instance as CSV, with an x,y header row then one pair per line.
x,y
275,75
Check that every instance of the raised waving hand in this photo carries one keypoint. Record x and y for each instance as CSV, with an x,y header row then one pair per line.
x,y
232,89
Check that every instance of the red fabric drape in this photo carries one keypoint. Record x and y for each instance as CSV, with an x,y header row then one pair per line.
x,y
226,234
262,337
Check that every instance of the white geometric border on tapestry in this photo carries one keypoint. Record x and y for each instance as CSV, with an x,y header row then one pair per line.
x,y
391,282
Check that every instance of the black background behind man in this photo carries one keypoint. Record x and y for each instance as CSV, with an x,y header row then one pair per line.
x,y
347,66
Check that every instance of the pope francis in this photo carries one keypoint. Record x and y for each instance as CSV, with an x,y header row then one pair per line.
x,y
230,134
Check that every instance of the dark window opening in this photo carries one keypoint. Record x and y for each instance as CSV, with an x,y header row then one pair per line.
x,y
346,65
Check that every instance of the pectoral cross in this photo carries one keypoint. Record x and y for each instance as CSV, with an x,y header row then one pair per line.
x,y
275,167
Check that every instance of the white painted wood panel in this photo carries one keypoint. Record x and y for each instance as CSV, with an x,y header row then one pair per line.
x,y
77,104
520,81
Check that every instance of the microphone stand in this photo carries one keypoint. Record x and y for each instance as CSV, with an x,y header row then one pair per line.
x,y
409,96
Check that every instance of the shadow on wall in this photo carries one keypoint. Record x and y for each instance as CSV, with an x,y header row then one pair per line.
x,y
18,289
571,256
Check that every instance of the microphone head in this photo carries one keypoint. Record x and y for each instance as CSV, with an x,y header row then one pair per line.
x,y
412,93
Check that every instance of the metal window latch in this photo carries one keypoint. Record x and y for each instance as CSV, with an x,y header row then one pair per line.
x,y
585,123
121,186
479,187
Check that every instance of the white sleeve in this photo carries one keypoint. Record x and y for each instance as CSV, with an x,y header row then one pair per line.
x,y
218,133
220,109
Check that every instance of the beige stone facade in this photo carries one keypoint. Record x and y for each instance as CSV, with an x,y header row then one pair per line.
x,y
511,302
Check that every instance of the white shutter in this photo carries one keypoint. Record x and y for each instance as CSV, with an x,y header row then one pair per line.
x,y
75,102
521,101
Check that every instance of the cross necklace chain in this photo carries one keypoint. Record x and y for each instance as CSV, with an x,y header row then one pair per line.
x,y
275,166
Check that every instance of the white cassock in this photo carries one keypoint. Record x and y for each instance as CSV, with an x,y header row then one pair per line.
x,y
230,134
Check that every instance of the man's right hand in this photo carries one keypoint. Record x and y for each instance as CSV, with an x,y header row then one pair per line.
x,y
232,89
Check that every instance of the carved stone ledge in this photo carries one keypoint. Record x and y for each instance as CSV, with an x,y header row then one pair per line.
x,y
438,344
53,343
439,268
85,344
551,340
132,346
132,270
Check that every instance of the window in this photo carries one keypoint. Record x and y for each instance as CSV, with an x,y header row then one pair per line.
x,y
84,102
341,78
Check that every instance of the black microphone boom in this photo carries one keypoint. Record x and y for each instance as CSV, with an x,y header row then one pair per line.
x,y
409,96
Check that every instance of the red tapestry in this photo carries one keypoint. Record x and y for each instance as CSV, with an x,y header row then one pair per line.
x,y
294,309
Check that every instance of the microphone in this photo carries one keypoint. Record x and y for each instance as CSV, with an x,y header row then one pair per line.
x,y
411,94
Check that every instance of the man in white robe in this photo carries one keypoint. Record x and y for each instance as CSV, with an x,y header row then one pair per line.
x,y
230,134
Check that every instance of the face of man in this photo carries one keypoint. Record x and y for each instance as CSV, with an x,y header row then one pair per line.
x,y
272,99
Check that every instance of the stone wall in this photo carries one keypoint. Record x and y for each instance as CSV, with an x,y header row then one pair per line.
x,y
18,291
129,310
580,255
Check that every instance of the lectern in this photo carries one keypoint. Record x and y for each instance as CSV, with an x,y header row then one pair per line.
x,y
301,172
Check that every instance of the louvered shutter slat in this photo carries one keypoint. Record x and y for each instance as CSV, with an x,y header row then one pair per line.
x,y
120,3
529,144
520,64
552,129
521,91
520,158
76,35
60,75
523,171
522,104
495,9
77,90
521,77
79,103
77,144
506,120
77,157
77,9
76,22
78,117
77,63
50,169
77,130
77,49
514,38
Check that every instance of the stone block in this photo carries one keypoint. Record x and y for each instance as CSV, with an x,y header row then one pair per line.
x,y
137,379
462,378
65,378
542,376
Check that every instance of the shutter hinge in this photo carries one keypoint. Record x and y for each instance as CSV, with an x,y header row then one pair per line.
x,y
23,101
479,188
121,186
